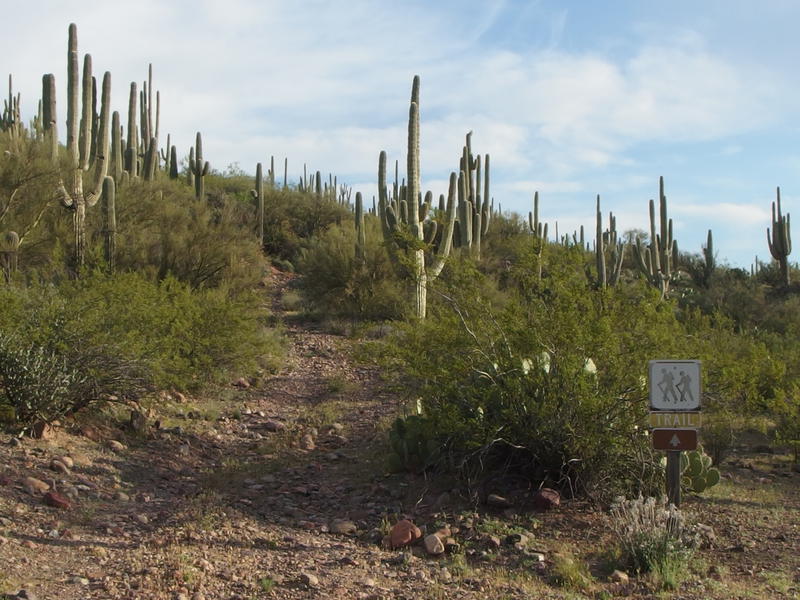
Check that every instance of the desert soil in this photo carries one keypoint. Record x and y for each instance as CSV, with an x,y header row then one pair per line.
x,y
277,488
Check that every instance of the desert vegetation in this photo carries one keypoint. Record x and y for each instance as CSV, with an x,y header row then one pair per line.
x,y
519,356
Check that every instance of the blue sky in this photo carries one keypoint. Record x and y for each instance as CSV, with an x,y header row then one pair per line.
x,y
572,99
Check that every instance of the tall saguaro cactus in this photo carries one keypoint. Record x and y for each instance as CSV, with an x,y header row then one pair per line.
x,y
780,242
658,260
258,196
197,168
74,195
474,208
109,207
609,251
403,217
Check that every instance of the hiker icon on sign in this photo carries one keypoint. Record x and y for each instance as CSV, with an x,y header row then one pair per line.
x,y
674,385
685,387
667,386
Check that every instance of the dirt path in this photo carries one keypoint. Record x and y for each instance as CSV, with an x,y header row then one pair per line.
x,y
277,489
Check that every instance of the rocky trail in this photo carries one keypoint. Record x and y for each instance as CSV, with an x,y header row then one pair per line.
x,y
278,489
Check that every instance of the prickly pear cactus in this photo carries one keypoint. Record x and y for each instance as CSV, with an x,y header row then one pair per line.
x,y
412,449
697,474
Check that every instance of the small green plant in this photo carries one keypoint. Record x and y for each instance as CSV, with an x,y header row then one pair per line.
x,y
413,447
569,572
266,584
654,537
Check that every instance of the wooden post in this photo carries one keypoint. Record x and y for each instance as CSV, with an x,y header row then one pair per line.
x,y
674,477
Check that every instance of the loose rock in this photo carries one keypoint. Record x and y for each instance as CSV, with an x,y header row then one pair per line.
x,y
56,500
546,499
403,533
34,486
434,545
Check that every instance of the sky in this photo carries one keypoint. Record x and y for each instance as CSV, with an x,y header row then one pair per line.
x,y
570,98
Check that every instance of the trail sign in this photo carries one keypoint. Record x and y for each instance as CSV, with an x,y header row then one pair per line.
x,y
675,439
675,419
674,385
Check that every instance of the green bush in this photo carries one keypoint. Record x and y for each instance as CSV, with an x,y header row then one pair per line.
x,y
40,385
334,283
549,385
292,218
183,338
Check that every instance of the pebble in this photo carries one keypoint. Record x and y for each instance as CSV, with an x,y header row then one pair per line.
x,y
273,425
343,527
307,442
59,467
498,501
115,445
309,579
619,577
67,460
434,545
33,485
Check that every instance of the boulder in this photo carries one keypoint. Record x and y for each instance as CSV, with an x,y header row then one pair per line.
x,y
546,499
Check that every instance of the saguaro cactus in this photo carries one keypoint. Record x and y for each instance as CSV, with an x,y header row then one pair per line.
x,y
109,207
258,196
658,260
609,252
780,242
361,234
403,217
197,168
474,208
79,143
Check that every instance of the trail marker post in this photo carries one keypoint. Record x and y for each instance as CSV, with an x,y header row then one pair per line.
x,y
674,414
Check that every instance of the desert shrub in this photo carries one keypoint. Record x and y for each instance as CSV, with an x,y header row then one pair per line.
x,y
549,385
654,537
334,283
292,218
184,338
40,385
162,230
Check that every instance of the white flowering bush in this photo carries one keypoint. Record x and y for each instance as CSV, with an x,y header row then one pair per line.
x,y
654,537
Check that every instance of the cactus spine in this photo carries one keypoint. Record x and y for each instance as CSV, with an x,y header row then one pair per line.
x,y
79,143
656,262
780,242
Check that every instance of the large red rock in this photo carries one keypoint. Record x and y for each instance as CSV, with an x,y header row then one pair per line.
x,y
546,499
403,533
56,500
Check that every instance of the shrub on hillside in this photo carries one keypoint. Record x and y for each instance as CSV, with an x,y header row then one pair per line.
x,y
292,218
548,386
335,283
184,338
